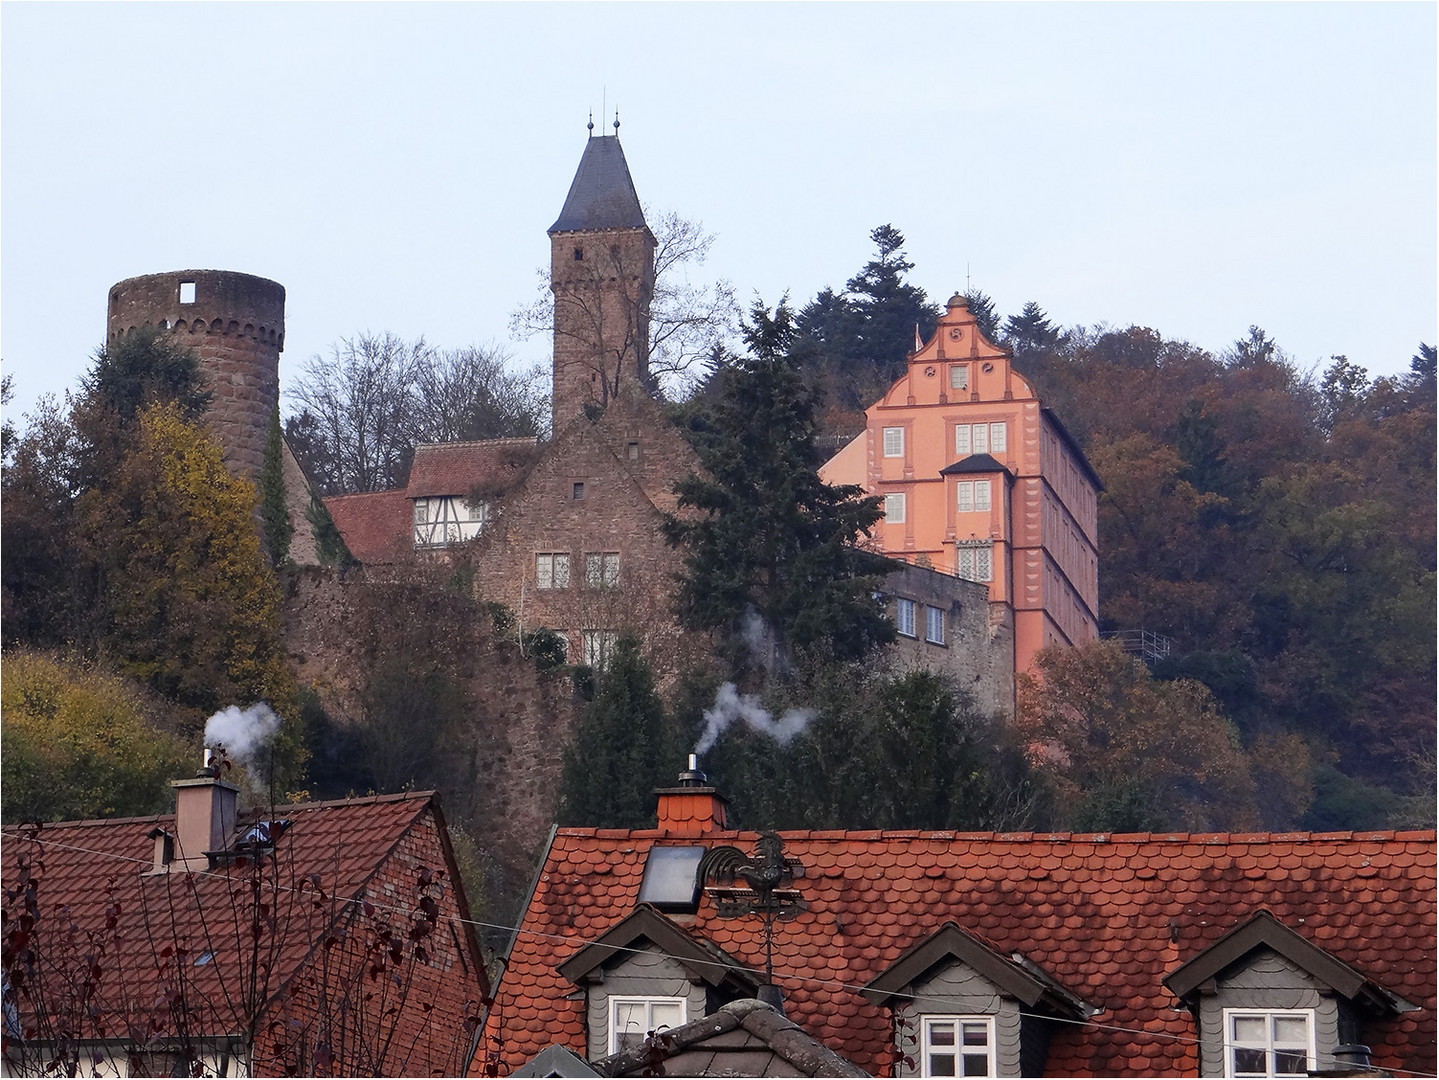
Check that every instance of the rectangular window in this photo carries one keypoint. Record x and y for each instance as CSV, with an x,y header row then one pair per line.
x,y
602,569
979,440
961,440
997,437
959,376
894,442
552,571
904,617
957,1046
577,492
975,563
894,508
187,292
934,625
1268,1043
599,646
971,496
633,1018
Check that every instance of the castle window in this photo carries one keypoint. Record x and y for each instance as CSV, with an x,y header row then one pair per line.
x,y
894,508
904,616
599,645
578,491
975,563
971,496
579,254
894,442
602,569
959,376
552,570
958,1046
1264,1043
934,625
634,451
187,292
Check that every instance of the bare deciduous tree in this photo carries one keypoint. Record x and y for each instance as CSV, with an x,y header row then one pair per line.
x,y
363,410
686,318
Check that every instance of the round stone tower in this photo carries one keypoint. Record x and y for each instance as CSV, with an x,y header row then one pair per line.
x,y
236,324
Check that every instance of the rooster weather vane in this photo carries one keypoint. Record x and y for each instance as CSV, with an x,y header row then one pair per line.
x,y
765,891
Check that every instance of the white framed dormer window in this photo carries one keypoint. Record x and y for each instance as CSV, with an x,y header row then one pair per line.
x,y
894,442
972,496
1262,1042
904,616
894,508
633,1018
552,570
957,1046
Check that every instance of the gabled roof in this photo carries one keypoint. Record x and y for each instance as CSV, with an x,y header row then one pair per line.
x,y
976,463
341,848
602,195
377,525
949,943
742,1038
489,466
701,961
1108,917
1265,931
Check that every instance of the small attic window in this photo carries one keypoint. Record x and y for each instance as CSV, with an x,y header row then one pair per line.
x,y
187,292
669,880
634,451
578,491
579,254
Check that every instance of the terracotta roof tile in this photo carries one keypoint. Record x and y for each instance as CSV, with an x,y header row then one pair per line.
x,y
376,525
489,467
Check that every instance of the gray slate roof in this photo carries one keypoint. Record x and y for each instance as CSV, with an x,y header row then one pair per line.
x,y
602,195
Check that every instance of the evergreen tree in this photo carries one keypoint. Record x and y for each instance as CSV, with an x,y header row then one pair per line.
x,y
981,306
273,509
1030,330
624,748
770,536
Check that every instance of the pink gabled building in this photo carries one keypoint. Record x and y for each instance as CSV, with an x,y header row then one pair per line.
x,y
981,481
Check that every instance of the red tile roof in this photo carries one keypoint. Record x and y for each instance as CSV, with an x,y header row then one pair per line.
x,y
333,852
492,466
1108,916
377,525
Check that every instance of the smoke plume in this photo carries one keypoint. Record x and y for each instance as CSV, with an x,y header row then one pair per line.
x,y
243,733
730,705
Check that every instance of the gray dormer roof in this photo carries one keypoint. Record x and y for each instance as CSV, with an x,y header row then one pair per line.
x,y
602,195
975,463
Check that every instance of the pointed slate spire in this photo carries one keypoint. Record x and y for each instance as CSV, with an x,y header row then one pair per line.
x,y
602,195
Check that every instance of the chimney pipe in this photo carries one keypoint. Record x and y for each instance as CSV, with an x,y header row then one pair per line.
x,y
1352,1055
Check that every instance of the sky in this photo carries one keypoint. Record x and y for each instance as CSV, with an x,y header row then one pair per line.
x,y
1194,167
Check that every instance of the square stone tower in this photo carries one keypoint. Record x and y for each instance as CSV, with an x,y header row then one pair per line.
x,y
602,274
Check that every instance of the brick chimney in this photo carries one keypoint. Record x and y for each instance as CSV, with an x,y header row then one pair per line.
x,y
204,819
693,807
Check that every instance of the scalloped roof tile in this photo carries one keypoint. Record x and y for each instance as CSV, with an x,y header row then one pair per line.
x,y
873,895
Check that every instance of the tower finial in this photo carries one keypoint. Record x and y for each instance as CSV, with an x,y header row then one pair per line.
x,y
591,125
617,121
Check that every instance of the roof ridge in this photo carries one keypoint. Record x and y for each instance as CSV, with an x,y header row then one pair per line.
x,y
1024,838
461,444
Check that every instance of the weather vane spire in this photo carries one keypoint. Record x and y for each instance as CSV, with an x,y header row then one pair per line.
x,y
591,125
617,121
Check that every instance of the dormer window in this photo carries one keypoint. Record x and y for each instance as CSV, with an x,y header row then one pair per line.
x,y
1268,1043
958,1046
633,1018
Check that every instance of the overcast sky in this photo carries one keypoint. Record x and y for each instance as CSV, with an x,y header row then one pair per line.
x,y
1195,167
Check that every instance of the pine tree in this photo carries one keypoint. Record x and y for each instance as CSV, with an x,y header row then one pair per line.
x,y
770,536
624,748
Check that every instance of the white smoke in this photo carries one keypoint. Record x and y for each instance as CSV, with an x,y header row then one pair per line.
x,y
243,733
730,705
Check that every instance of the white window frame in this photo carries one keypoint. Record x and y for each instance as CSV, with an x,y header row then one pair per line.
x,y
599,646
959,376
602,569
933,624
552,570
998,437
904,616
975,562
1271,1046
894,507
648,1003
440,520
956,1025
972,497
894,442
981,438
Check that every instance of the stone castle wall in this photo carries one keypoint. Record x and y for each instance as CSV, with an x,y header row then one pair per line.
x,y
236,323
